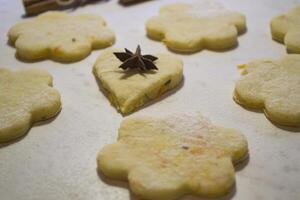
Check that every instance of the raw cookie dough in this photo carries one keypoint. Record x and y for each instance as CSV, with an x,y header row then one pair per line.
x,y
274,86
60,36
128,90
192,27
168,157
286,29
26,96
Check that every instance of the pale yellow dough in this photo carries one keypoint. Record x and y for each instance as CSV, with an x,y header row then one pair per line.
x,y
192,27
60,36
286,29
274,86
169,157
128,90
26,96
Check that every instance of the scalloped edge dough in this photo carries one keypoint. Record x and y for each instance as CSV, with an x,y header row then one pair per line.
x,y
172,156
55,35
17,111
272,77
226,24
285,29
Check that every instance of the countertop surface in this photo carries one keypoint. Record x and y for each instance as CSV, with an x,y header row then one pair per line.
x,y
57,158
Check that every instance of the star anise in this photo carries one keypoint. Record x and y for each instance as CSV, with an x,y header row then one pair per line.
x,y
136,60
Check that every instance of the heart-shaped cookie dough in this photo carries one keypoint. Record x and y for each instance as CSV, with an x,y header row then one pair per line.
x,y
26,96
274,86
128,90
191,27
60,36
286,29
168,157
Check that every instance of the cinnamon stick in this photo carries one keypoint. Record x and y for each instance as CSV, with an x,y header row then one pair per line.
x,y
33,7
128,2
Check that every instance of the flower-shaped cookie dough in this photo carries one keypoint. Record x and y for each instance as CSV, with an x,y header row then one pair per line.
x,y
192,27
274,86
130,89
26,96
286,29
60,36
168,157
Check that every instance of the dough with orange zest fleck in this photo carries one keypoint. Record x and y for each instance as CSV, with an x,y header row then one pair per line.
x,y
26,96
129,90
60,36
274,87
169,157
192,27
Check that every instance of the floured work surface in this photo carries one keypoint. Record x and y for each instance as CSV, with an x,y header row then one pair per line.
x,y
57,160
